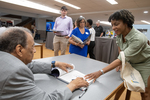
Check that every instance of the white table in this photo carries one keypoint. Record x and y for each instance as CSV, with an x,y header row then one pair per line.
x,y
99,90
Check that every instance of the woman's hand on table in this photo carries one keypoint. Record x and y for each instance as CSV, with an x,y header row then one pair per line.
x,y
93,75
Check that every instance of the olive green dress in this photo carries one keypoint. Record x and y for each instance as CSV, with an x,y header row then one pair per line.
x,y
136,51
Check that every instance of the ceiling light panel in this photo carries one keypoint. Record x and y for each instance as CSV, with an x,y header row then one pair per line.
x,y
113,2
105,22
145,21
68,4
145,12
30,4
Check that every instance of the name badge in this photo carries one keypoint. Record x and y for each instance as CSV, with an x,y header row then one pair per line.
x,y
87,33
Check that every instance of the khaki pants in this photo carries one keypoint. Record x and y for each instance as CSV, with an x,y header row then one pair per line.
x,y
60,43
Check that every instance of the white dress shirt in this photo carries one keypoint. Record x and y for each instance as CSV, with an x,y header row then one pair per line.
x,y
92,32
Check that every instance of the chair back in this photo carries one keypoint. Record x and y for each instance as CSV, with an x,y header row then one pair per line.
x,y
148,89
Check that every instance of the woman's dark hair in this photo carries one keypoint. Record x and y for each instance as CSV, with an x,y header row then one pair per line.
x,y
123,15
79,20
90,22
12,37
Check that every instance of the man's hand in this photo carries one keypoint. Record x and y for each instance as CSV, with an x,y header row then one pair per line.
x,y
63,66
94,75
55,31
77,83
67,37
101,34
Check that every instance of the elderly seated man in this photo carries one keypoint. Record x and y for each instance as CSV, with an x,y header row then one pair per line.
x,y
16,69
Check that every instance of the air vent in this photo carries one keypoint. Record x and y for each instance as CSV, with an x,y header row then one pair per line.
x,y
106,14
57,6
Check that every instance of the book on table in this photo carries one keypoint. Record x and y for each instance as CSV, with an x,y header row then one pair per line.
x,y
78,40
68,77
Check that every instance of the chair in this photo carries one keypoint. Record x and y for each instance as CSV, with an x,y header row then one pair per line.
x,y
37,36
148,90
120,89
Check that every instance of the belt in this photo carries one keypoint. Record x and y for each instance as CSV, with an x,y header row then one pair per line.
x,y
61,35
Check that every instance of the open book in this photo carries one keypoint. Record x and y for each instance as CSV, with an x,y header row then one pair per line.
x,y
78,40
68,77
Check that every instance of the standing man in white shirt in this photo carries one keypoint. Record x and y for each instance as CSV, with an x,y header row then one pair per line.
x,y
65,24
92,40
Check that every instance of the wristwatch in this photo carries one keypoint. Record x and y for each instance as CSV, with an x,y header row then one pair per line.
x,y
53,64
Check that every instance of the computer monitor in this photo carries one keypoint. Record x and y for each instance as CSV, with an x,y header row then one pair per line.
x,y
49,26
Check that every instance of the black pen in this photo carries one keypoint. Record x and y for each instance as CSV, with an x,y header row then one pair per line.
x,y
82,93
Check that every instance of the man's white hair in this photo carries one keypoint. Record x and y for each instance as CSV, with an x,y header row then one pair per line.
x,y
98,21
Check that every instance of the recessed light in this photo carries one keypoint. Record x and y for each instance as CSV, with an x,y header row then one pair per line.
x,y
145,12
145,21
105,22
30,4
68,4
113,2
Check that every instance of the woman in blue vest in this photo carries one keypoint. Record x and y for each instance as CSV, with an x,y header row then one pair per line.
x,y
82,33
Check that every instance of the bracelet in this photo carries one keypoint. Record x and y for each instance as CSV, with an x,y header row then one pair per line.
x,y
102,71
